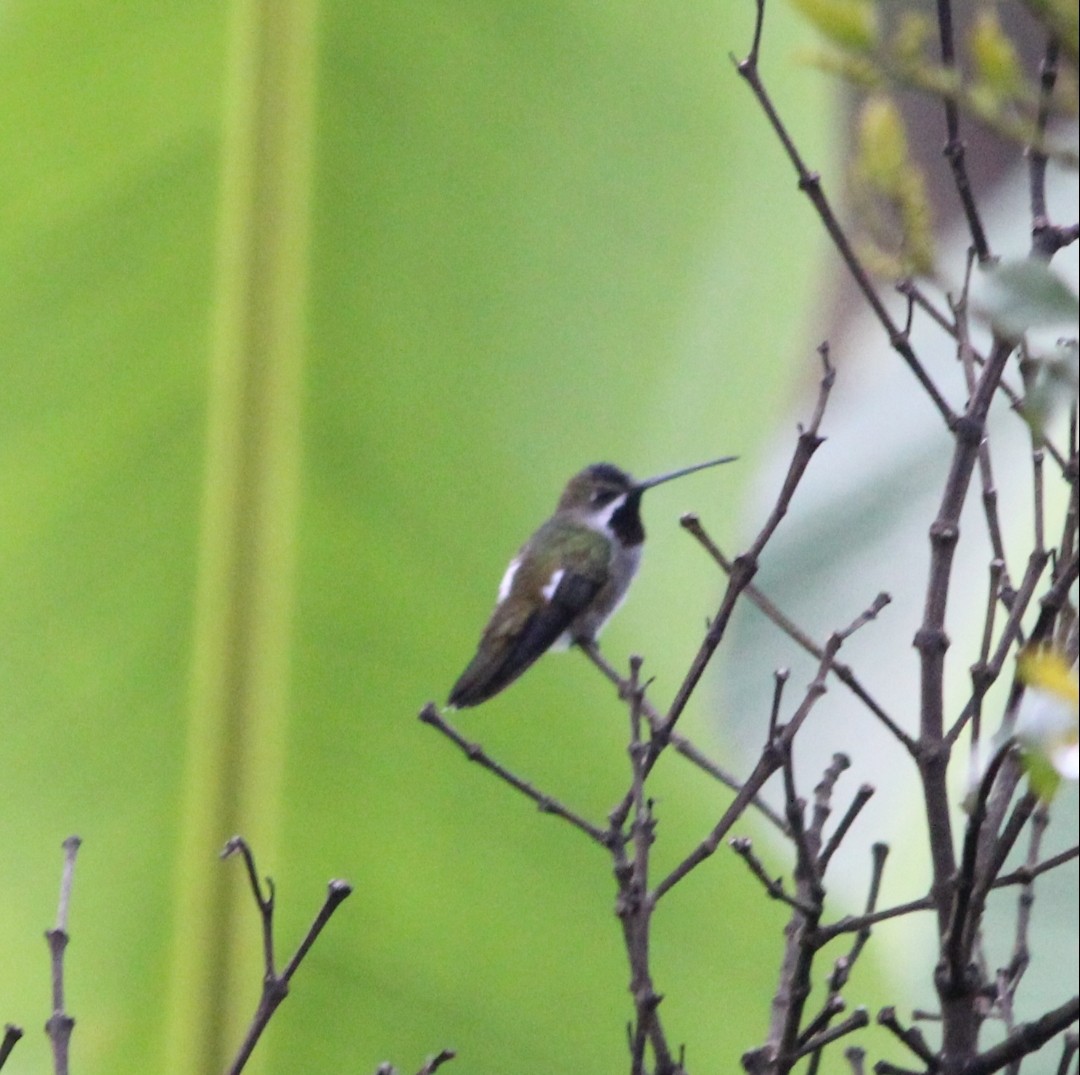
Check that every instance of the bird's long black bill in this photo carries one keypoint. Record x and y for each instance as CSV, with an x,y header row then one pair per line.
x,y
648,483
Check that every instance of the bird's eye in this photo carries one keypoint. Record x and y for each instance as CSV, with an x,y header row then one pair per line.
x,y
602,497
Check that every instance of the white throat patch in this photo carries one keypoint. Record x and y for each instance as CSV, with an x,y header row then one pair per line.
x,y
601,520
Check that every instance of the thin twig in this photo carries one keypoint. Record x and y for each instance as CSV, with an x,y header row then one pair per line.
x,y
474,752
810,184
931,642
740,576
994,851
823,798
855,1021
833,1006
954,146
843,966
1056,597
771,759
988,671
436,1062
60,1023
12,1034
853,923
862,797
807,842
743,847
1009,978
745,566
692,524
275,987
429,1067
1026,874
965,911
679,742
1068,1050
780,679
916,294
1025,1039
855,1055
1046,240
1037,455
634,906
912,1038
981,674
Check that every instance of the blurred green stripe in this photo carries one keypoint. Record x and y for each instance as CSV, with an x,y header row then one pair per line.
x,y
248,530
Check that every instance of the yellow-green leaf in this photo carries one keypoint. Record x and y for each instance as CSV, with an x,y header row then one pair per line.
x,y
851,24
994,55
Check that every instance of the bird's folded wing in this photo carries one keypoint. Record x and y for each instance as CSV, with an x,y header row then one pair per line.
x,y
543,628
504,659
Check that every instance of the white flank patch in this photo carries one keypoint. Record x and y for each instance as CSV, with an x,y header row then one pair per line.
x,y
508,579
553,584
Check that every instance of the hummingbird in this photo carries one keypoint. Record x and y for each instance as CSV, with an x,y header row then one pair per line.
x,y
566,580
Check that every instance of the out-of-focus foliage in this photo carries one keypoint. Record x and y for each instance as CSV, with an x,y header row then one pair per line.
x,y
889,193
986,83
1062,19
1046,723
1023,294
1026,300
851,24
1051,381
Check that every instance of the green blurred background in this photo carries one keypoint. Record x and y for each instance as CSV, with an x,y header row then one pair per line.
x,y
517,238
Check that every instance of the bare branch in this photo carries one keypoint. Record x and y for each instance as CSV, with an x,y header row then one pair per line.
x,y
634,906
954,146
1025,1039
833,1006
474,752
931,641
966,911
679,742
852,923
855,1056
745,566
60,1024
1025,874
855,1021
1046,239
810,184
989,671
743,847
919,297
780,679
275,987
823,796
1068,1050
843,966
436,1062
1009,977
12,1034
912,1038
862,797
693,526
771,758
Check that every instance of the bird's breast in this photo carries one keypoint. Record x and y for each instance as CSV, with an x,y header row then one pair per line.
x,y
624,563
